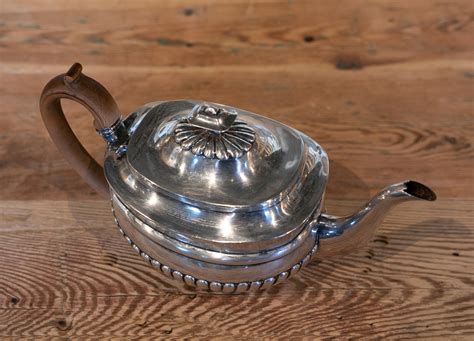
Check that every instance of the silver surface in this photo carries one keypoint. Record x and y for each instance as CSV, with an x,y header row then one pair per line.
x,y
115,134
240,231
343,235
213,132
212,117
201,274
203,254
228,224
258,179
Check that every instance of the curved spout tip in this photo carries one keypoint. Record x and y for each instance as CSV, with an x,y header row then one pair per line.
x,y
418,190
341,235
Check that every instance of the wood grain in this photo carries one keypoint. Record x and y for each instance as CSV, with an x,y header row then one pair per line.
x,y
74,267
385,86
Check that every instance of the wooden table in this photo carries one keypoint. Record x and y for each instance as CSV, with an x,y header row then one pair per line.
x,y
385,86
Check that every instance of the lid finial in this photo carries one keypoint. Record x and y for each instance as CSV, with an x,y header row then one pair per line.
x,y
214,132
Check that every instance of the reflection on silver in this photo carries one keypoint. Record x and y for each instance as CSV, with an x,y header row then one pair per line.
x,y
245,257
343,235
235,286
223,221
115,134
214,132
260,178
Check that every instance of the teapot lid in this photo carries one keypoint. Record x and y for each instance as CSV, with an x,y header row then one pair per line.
x,y
214,156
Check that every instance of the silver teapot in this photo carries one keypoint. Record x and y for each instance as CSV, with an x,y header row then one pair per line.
x,y
212,196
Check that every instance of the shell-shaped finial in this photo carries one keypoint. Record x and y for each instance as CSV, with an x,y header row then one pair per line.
x,y
226,144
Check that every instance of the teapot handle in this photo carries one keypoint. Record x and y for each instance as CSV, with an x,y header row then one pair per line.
x,y
78,87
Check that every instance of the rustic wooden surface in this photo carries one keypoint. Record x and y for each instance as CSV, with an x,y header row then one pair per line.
x,y
385,86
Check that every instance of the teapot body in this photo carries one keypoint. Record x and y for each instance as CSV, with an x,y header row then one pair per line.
x,y
220,248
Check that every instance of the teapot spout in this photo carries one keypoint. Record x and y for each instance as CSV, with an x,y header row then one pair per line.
x,y
342,235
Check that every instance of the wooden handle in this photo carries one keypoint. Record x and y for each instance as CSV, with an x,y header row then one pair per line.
x,y
78,87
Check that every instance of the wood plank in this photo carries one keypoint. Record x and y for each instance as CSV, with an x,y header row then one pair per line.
x,y
84,234
63,263
357,33
352,313
385,86
353,127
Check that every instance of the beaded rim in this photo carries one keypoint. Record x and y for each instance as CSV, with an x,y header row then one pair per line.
x,y
225,287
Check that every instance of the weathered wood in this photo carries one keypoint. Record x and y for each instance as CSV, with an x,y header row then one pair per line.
x,y
68,267
355,126
385,86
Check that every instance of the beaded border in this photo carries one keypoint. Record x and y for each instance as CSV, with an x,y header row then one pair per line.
x,y
227,287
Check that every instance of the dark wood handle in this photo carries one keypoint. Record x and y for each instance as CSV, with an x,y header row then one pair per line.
x,y
78,87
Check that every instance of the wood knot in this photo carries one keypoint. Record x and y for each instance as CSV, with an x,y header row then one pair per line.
x,y
14,300
188,11
62,324
348,63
